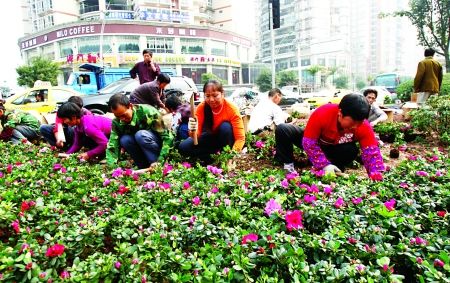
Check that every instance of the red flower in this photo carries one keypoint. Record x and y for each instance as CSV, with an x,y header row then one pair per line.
x,y
294,220
55,250
376,176
441,213
249,238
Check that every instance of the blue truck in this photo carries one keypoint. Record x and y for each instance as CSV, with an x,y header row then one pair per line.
x,y
97,77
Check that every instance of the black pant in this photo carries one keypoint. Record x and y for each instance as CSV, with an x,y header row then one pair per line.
x,y
287,135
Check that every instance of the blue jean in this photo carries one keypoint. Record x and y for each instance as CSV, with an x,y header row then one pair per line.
x,y
21,132
49,136
144,147
208,143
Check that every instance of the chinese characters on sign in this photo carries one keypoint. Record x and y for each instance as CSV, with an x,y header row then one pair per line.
x,y
164,15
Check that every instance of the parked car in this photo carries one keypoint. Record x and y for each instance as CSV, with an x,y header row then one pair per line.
x,y
326,96
51,96
179,85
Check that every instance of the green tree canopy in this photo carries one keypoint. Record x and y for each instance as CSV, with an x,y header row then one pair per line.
x,y
210,76
287,78
264,80
432,20
39,69
341,82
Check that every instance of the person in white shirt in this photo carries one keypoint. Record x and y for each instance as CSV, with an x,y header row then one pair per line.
x,y
267,112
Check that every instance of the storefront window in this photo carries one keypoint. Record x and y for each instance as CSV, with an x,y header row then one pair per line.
x,y
160,44
65,48
194,72
48,51
221,72
128,44
192,46
235,76
233,51
91,44
218,48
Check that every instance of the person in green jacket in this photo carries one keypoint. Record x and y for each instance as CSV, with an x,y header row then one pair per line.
x,y
18,126
140,130
428,78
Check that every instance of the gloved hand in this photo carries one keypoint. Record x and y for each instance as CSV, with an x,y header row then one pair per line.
x,y
331,169
192,125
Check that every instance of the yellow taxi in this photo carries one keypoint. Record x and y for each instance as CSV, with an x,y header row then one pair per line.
x,y
42,98
326,96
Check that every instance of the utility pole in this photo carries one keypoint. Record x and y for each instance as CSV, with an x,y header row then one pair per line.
x,y
272,42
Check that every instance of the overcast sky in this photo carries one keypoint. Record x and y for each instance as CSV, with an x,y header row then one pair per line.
x,y
11,29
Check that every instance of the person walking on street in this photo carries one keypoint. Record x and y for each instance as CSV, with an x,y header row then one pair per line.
x,y
140,130
151,93
428,78
147,70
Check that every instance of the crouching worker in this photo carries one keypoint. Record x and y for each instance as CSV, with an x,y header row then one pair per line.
x,y
140,130
18,126
330,138
90,131
218,124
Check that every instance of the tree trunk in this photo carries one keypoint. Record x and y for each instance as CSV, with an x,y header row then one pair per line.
x,y
447,61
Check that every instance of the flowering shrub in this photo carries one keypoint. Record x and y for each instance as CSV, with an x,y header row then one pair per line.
x,y
87,223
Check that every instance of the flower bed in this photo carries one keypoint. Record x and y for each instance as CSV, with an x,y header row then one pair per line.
x,y
62,220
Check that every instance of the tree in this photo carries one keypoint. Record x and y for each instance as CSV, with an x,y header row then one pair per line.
x,y
264,80
210,76
341,82
432,20
287,78
40,69
313,70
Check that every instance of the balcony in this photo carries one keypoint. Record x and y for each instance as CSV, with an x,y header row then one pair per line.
x,y
84,9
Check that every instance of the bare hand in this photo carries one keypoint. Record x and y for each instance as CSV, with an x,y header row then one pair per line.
x,y
84,156
59,143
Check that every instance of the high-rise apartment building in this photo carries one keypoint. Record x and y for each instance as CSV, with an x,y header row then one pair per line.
x,y
348,37
191,36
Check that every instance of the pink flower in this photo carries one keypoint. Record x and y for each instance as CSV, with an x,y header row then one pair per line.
x,y
441,213
285,183
150,185
135,261
1,174
291,175
419,260
167,169
309,198
249,238
439,173
15,226
360,268
327,190
64,274
42,275
214,190
272,206
418,241
412,157
57,167
214,170
352,240
117,264
422,173
106,182
226,270
45,193
117,172
438,263
259,144
196,201
312,189
318,173
227,202
186,185
356,201
55,250
339,202
186,165
69,179
192,219
376,176
173,217
122,190
390,205
403,185
128,172
143,279
26,205
294,220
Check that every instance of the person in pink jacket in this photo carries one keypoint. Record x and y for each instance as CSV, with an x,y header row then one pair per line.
x,y
90,131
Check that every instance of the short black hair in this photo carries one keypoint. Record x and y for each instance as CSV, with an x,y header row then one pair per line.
x,y
429,52
77,100
163,78
274,91
118,99
68,110
370,90
172,102
355,106
147,51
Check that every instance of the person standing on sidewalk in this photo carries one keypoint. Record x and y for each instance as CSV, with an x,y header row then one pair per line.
x,y
428,78
147,70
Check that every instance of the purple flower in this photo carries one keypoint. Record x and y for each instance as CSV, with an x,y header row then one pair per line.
x,y
1,174
186,185
272,206
164,186
285,183
117,172
106,182
150,185
214,170
312,189
327,190
192,219
214,190
64,274
412,157
196,201
57,167
339,202
356,201
360,268
117,264
291,175
173,217
227,202
422,173
390,205
309,198
259,144
439,173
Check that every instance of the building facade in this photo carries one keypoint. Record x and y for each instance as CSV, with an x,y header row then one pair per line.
x,y
183,35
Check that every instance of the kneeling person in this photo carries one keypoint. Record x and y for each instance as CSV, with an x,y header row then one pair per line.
x,y
18,126
330,137
91,131
140,130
